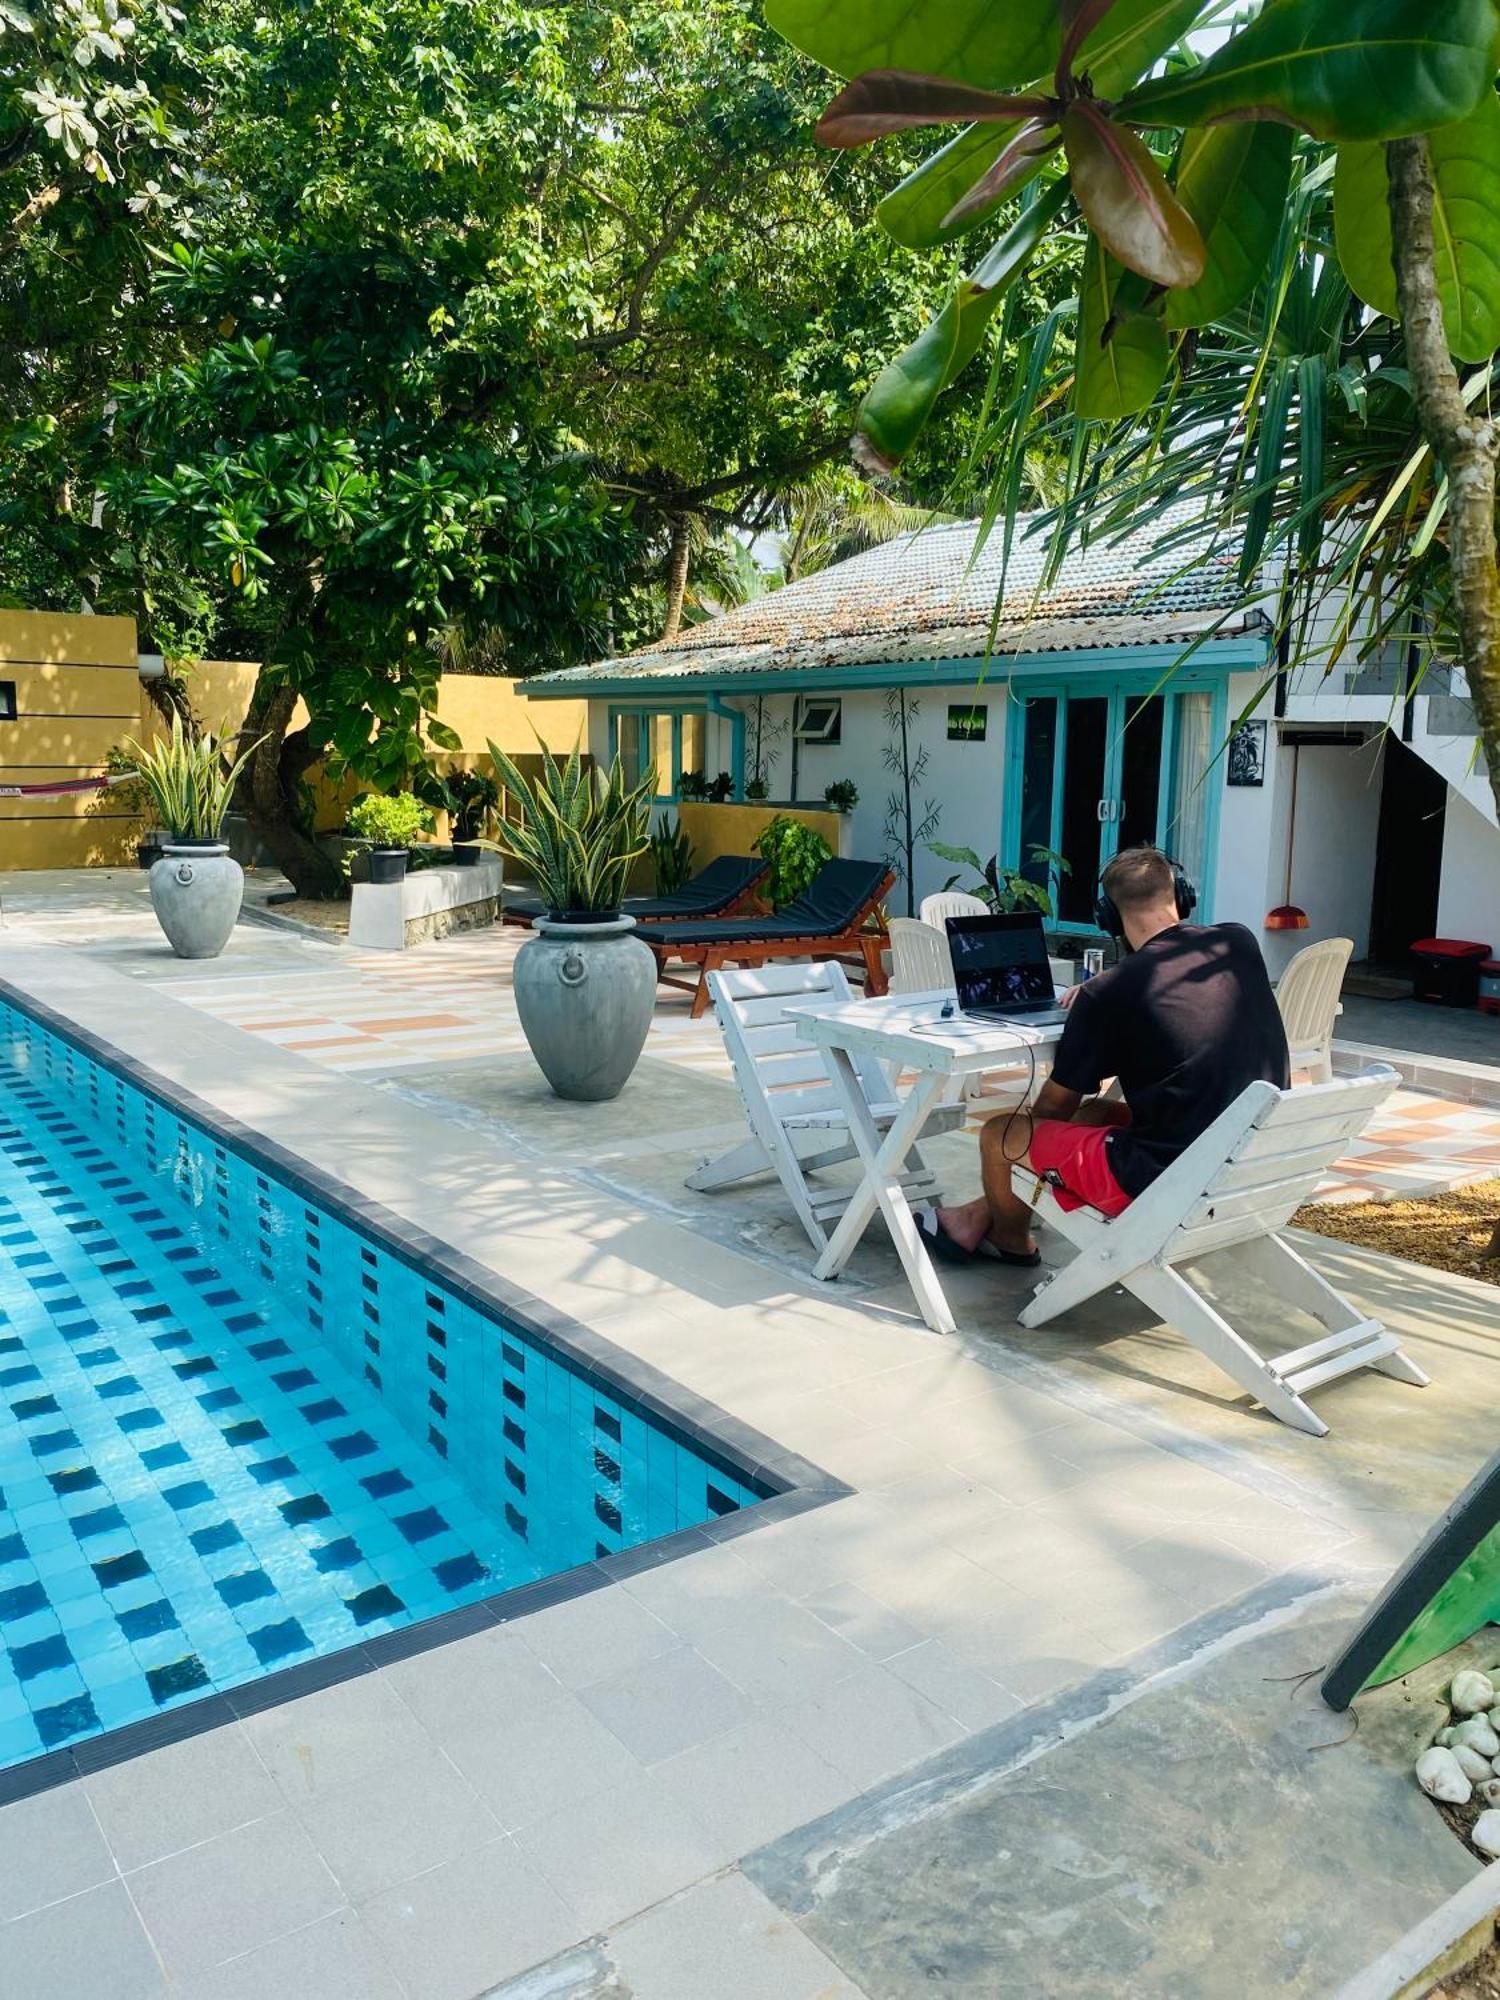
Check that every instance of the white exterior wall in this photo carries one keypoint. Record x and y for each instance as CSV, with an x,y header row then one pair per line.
x,y
1469,898
964,781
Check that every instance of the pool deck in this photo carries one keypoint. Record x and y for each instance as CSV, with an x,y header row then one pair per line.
x,y
780,1765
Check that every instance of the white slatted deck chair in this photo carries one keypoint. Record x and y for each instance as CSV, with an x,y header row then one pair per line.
x,y
1225,1198
1308,996
797,1124
921,959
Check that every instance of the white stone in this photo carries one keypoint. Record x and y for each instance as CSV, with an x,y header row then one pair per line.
x,y
1474,1767
1488,1793
1444,1738
1441,1776
1476,1733
1485,1834
1472,1692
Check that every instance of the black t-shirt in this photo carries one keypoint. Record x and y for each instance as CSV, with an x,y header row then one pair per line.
x,y
1184,1023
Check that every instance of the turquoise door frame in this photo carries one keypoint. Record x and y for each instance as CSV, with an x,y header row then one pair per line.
x,y
710,705
1123,691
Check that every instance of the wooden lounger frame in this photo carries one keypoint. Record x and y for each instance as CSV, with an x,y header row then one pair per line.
x,y
865,938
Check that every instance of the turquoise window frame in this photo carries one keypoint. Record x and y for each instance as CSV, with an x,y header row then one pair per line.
x,y
648,711
1121,688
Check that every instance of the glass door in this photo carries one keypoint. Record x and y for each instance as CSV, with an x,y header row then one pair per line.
x,y
1096,769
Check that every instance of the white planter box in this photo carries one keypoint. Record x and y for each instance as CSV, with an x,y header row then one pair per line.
x,y
429,904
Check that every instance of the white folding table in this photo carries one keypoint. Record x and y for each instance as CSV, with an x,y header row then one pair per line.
x,y
909,1033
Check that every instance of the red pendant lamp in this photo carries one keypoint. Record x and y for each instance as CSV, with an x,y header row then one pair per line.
x,y
1288,916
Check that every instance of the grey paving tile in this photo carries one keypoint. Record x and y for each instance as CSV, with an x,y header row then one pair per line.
x,y
620,1851
667,1704
724,1941
546,1752
753,1785
233,1894
50,1847
863,1620
776,1651
871,1725
336,1736
397,1823
488,1676
91,1947
592,1636
462,1928
333,1959
181,1794
969,1696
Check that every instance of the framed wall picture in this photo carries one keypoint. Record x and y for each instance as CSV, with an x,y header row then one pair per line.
x,y
1247,754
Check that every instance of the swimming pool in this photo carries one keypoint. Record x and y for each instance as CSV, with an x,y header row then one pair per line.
x,y
244,1427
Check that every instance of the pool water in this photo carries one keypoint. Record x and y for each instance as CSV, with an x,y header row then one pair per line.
x,y
237,1432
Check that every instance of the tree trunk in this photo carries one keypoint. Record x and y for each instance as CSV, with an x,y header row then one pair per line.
x,y
1466,443
269,790
677,576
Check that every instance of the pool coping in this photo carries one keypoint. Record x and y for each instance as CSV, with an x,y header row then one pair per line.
x,y
790,1483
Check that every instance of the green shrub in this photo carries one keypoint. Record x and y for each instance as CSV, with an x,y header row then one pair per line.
x,y
842,795
471,798
671,856
795,854
392,819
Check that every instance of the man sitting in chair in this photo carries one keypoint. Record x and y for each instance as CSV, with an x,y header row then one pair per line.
x,y
1184,1021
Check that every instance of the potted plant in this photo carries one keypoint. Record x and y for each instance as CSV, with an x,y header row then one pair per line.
x,y
692,785
671,856
471,798
585,986
196,885
842,795
757,790
1004,889
390,822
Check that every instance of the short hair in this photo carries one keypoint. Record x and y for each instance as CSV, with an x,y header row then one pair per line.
x,y
1137,876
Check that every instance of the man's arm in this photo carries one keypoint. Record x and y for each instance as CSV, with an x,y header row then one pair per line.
x,y
1053,1100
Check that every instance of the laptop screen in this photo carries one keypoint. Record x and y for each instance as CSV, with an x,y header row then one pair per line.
x,y
1000,961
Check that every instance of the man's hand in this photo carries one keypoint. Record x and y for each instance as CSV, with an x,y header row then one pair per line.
x,y
1066,999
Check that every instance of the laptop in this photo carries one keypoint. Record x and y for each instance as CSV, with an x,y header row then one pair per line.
x,y
1000,969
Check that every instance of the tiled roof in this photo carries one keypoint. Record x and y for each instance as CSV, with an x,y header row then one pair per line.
x,y
926,596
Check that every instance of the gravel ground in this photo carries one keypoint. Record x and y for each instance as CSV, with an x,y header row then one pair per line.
x,y
1448,1232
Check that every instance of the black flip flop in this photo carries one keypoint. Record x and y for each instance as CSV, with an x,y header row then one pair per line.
x,y
939,1243
1025,1260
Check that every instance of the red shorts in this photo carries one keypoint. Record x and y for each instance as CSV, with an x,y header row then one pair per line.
x,y
1077,1155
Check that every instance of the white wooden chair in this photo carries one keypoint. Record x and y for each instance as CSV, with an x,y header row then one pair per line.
x,y
951,903
1308,996
797,1124
1225,1198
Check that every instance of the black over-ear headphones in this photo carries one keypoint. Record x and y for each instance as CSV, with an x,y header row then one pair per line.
x,y
1107,917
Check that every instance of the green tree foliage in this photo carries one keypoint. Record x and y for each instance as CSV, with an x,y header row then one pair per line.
x,y
1170,154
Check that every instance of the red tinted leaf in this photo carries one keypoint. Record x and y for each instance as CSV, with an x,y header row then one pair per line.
x,y
1013,166
893,100
1126,201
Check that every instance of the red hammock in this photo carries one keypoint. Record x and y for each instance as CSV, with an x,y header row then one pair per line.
x,y
57,786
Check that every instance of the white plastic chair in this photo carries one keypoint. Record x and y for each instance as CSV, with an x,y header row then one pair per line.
x,y
951,903
921,961
797,1123
1308,996
1225,1198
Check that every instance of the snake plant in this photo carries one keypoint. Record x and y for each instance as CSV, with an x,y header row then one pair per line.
x,y
579,832
188,780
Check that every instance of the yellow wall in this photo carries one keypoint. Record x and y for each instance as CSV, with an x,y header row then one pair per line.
x,y
733,829
77,695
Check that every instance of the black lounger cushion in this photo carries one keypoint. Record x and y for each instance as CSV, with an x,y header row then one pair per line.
x,y
723,881
840,890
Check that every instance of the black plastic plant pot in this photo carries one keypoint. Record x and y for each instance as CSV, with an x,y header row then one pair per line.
x,y
148,853
387,865
584,916
466,853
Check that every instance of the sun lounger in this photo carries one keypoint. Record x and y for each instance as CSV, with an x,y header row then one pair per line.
x,y
830,919
713,892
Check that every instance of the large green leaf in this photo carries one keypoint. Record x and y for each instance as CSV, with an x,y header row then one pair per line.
x,y
1121,362
1233,181
1343,69
1126,201
1125,44
1465,227
901,398
972,41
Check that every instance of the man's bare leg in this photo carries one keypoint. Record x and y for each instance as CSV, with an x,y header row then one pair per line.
x,y
999,1213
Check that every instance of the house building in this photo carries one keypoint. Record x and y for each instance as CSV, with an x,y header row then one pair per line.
x,y
1129,697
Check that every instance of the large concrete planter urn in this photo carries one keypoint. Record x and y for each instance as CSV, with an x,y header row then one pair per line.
x,y
196,891
585,994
